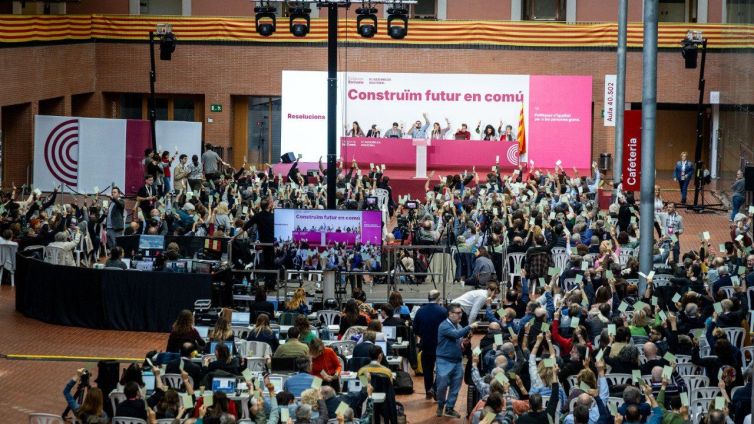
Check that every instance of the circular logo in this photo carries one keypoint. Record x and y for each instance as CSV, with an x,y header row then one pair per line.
x,y
61,152
512,154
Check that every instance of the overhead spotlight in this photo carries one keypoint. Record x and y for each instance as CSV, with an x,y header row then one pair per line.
x,y
369,28
397,30
265,20
690,49
297,27
167,46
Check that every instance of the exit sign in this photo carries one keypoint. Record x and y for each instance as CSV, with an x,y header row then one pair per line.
x,y
215,107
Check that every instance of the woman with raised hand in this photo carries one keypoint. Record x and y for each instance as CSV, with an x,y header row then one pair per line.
x,y
91,410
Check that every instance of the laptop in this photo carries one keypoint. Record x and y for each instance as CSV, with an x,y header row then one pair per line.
x,y
149,382
203,331
240,318
144,265
389,332
213,345
383,345
224,384
277,382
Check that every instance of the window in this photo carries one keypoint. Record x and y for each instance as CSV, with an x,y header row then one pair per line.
x,y
160,7
740,12
161,105
677,10
545,10
264,129
424,9
130,106
183,109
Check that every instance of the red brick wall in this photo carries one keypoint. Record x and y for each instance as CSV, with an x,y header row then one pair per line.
x,y
219,72
17,142
222,8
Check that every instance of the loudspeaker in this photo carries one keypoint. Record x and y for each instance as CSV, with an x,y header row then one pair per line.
x,y
749,178
288,157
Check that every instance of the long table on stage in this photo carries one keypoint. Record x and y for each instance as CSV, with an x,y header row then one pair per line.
x,y
103,298
440,153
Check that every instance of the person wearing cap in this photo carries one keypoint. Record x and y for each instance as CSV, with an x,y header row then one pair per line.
x,y
426,323
185,215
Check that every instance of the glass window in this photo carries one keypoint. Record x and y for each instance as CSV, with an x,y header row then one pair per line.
x,y
672,11
183,109
130,106
162,109
425,9
545,10
264,129
160,7
740,12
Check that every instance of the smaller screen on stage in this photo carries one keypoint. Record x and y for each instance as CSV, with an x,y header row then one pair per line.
x,y
327,227
149,242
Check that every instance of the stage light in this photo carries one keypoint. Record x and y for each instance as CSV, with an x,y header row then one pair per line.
x,y
397,30
264,20
689,48
167,41
368,29
298,28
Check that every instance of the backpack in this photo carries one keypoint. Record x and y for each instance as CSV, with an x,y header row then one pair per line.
x,y
404,384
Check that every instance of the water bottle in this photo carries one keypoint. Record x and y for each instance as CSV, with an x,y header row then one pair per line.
x,y
245,282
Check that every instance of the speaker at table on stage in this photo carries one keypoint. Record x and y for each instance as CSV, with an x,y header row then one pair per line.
x,y
288,157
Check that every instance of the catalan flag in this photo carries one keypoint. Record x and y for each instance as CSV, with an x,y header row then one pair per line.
x,y
521,137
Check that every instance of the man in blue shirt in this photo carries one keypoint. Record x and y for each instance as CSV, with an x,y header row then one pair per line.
x,y
426,323
449,359
419,130
301,381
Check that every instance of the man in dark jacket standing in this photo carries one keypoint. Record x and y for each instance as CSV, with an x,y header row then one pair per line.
x,y
426,323
114,220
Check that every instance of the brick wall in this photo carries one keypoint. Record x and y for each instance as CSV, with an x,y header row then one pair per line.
x,y
219,72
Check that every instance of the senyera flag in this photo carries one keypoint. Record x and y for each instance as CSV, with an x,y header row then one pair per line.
x,y
521,137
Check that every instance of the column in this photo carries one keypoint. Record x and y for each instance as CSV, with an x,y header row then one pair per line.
x,y
570,11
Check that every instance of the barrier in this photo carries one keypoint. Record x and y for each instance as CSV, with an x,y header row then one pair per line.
x,y
104,298
189,245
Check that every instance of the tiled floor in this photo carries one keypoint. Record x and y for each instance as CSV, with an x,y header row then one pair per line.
x,y
36,385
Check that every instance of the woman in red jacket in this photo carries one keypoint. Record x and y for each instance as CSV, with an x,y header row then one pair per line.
x,y
325,363
566,343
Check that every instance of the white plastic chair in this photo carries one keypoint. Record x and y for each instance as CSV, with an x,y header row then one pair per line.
x,y
728,290
258,349
515,262
256,363
573,381
116,397
697,407
344,348
688,369
329,317
240,332
560,259
128,420
705,393
54,255
682,359
624,255
735,335
746,361
615,401
351,331
40,418
696,381
175,381
617,379
8,260
569,283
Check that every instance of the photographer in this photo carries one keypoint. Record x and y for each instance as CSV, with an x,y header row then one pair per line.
x,y
90,411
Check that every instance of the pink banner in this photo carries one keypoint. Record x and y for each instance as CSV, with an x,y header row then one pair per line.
x,y
399,152
343,238
138,139
311,237
560,121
